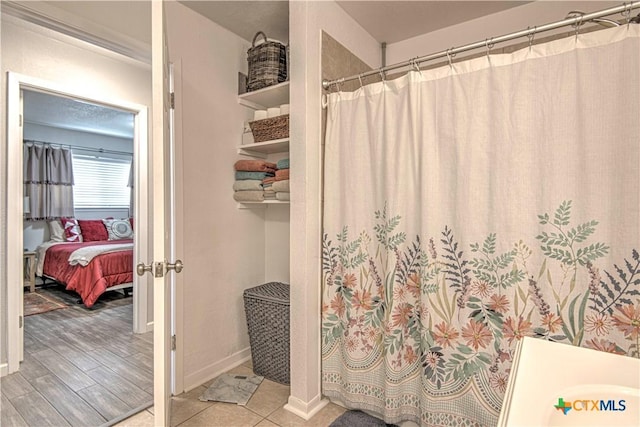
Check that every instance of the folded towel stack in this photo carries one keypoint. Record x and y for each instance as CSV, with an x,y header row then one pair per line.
x,y
267,184
249,175
282,164
281,183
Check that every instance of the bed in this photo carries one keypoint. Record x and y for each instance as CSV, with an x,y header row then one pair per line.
x,y
88,268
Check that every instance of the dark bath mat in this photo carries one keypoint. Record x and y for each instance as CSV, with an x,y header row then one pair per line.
x,y
358,419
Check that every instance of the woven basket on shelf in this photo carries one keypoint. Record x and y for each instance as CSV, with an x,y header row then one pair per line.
x,y
270,129
267,310
267,63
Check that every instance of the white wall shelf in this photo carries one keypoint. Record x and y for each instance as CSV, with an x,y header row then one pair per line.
x,y
263,204
261,149
270,96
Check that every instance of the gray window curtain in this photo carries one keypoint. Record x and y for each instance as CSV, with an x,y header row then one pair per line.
x,y
48,182
130,185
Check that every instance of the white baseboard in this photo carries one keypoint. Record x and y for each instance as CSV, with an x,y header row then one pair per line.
x,y
305,410
207,373
4,369
148,327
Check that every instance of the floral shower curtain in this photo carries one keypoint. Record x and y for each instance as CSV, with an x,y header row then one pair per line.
x,y
469,206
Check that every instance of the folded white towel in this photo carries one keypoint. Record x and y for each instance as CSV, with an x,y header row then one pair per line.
x,y
281,186
248,184
248,196
282,196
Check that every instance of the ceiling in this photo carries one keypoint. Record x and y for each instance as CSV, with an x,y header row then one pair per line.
x,y
394,21
386,21
246,17
66,113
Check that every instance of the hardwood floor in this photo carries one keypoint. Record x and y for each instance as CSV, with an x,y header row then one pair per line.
x,y
82,367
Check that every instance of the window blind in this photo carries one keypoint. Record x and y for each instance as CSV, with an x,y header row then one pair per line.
x,y
100,182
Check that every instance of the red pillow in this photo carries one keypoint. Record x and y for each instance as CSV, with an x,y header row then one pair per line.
x,y
71,230
93,230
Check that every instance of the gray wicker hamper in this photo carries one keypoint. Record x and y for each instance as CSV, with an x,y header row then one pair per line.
x,y
267,310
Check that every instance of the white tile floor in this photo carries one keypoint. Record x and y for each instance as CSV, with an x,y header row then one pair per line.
x,y
265,409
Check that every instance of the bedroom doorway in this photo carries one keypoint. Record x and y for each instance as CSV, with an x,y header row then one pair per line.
x,y
16,85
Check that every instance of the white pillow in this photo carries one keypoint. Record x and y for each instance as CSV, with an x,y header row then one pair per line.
x,y
118,229
56,232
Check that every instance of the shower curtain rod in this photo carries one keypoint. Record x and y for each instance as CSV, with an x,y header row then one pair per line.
x,y
77,147
576,21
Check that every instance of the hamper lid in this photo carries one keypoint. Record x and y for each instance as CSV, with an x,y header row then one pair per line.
x,y
272,291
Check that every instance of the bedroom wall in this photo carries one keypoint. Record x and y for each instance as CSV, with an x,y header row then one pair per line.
x,y
223,246
33,51
77,138
36,232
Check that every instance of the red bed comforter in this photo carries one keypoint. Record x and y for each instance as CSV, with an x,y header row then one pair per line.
x,y
104,271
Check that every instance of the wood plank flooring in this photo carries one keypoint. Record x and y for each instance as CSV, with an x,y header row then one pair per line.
x,y
82,367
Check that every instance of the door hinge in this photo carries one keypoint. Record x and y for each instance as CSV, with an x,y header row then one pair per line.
x,y
172,100
20,321
173,343
20,120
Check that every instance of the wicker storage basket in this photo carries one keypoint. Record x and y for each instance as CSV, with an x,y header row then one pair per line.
x,y
267,63
270,129
267,310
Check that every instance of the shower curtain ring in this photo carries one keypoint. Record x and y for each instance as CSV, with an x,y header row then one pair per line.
x,y
578,25
531,35
626,13
360,78
414,62
382,76
488,43
450,56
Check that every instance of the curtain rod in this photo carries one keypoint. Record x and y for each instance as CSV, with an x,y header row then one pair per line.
x,y
576,21
78,147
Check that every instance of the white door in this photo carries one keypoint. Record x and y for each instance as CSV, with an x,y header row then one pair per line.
x,y
160,216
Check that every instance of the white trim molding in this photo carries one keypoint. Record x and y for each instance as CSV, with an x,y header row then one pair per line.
x,y
15,84
55,19
306,410
14,235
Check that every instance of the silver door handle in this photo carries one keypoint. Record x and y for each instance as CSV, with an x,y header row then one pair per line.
x,y
177,266
141,268
155,268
